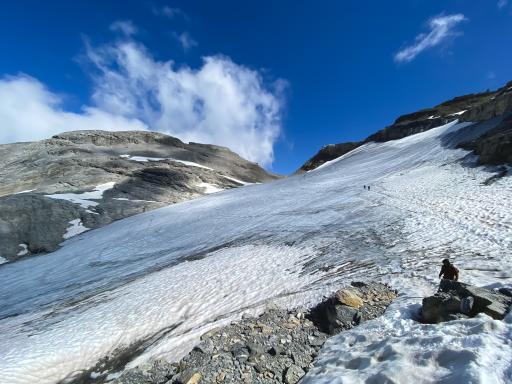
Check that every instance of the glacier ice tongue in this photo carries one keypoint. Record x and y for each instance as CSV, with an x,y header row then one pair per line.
x,y
171,274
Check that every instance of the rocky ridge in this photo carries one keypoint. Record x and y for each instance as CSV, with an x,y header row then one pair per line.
x,y
53,189
493,148
279,346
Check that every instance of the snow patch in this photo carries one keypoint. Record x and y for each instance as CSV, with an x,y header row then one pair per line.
x,y
24,250
85,199
145,159
3,260
236,180
75,228
209,188
458,113
26,191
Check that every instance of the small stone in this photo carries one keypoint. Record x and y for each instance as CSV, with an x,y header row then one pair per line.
x,y
240,352
255,349
301,359
206,346
307,323
194,379
221,376
293,374
274,351
265,329
269,374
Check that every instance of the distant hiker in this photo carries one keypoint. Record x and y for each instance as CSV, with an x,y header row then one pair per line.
x,y
368,187
448,271
364,186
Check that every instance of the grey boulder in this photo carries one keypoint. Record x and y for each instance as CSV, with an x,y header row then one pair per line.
x,y
458,300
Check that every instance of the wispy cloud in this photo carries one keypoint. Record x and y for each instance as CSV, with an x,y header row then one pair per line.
x,y
441,28
220,102
126,27
169,12
502,3
185,40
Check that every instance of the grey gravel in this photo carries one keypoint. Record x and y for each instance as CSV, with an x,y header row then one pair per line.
x,y
279,346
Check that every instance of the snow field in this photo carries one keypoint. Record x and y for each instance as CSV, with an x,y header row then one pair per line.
x,y
191,296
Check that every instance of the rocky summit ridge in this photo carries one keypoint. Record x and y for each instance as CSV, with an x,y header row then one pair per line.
x,y
493,147
53,189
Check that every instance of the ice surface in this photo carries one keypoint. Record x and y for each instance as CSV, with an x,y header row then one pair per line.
x,y
171,274
85,199
76,228
24,250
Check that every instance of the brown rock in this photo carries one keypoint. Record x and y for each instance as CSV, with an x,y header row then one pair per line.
x,y
349,298
195,379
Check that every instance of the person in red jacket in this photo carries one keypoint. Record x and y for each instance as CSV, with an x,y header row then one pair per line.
x,y
448,271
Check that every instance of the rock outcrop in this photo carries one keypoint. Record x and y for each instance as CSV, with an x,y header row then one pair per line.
x,y
279,346
53,189
493,148
456,300
328,153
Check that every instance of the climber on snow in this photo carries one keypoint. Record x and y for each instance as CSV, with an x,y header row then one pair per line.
x,y
449,271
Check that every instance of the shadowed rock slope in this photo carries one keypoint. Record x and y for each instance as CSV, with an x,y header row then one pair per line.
x,y
493,147
53,189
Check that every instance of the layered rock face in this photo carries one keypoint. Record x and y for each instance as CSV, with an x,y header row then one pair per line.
x,y
54,189
493,147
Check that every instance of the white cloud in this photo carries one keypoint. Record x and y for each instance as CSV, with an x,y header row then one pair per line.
x,y
185,40
126,27
219,103
441,28
29,111
502,3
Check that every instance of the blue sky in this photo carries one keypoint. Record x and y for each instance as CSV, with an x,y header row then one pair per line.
x,y
274,80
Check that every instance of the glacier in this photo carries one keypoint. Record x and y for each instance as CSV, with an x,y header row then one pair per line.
x,y
162,278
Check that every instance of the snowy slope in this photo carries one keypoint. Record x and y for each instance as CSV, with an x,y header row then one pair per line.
x,y
166,276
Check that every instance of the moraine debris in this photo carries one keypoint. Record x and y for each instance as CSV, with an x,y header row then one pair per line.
x,y
279,346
